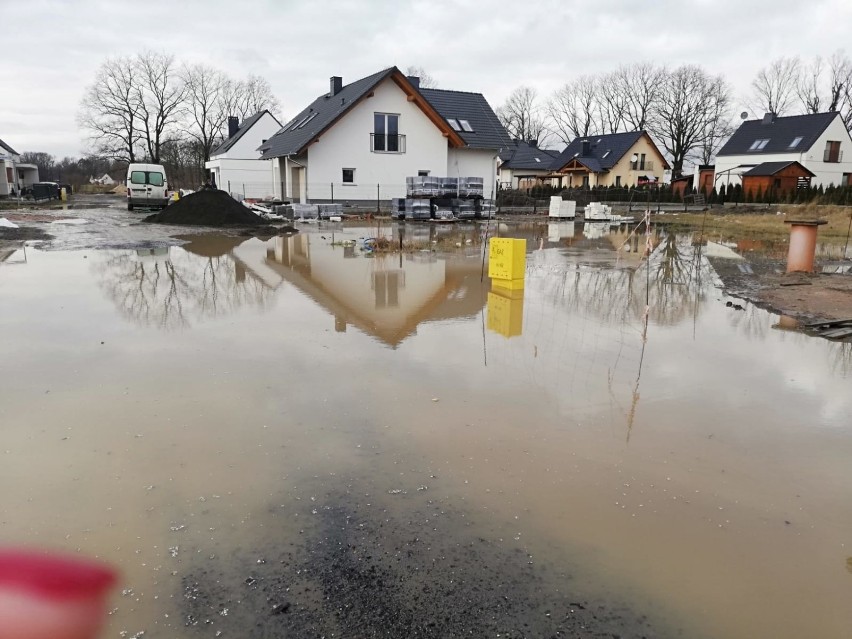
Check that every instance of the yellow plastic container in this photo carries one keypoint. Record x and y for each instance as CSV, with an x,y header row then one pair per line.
x,y
507,259
506,311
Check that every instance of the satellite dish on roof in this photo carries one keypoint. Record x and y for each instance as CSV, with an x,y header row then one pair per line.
x,y
744,115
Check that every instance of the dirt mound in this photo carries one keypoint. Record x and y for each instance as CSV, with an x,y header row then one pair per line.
x,y
207,208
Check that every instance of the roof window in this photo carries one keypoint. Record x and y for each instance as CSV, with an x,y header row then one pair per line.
x,y
608,151
465,125
537,160
454,123
795,142
758,145
308,119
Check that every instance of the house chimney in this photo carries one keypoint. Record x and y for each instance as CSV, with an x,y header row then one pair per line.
x,y
335,85
415,81
533,143
587,148
768,118
233,125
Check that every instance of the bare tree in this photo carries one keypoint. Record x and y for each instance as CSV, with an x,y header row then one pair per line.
x,y
521,116
774,87
639,84
160,97
827,86
109,111
427,81
687,114
204,97
612,104
573,108
808,88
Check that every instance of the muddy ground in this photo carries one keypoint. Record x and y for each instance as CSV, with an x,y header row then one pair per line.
x,y
806,297
358,569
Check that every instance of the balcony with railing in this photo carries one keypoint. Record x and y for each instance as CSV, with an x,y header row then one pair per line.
x,y
642,165
830,155
387,143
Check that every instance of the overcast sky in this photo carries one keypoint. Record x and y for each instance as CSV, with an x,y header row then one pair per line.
x,y
52,49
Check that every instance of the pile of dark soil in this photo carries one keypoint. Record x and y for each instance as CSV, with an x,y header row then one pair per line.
x,y
207,208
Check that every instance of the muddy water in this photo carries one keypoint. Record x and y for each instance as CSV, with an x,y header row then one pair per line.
x,y
293,437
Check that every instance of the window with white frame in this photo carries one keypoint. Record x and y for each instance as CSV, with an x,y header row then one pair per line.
x,y
349,176
759,145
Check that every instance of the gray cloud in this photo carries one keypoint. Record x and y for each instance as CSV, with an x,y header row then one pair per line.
x,y
488,47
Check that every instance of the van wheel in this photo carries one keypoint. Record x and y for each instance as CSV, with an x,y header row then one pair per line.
x,y
129,206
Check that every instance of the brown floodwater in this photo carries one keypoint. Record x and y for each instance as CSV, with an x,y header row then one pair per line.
x,y
190,412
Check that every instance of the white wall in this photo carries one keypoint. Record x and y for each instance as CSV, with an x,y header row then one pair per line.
x,y
246,146
347,145
826,172
253,176
474,163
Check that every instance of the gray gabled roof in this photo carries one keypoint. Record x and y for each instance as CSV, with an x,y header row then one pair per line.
x,y
780,133
523,155
605,151
241,131
487,132
8,148
771,168
292,138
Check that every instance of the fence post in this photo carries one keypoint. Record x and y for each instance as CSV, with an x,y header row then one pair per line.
x,y
244,190
229,187
332,191
378,199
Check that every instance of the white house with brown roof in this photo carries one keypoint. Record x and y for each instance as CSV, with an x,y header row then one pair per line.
x,y
819,142
359,142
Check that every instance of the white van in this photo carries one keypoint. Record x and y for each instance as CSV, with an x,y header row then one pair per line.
x,y
147,186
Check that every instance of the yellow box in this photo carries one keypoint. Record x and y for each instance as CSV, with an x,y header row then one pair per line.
x,y
506,312
508,285
507,258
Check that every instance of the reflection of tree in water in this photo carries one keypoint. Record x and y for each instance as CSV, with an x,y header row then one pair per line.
x,y
674,283
171,288
841,358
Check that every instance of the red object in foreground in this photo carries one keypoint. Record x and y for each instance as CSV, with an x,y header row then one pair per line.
x,y
45,596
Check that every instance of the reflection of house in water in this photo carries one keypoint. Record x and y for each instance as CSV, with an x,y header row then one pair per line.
x,y
384,296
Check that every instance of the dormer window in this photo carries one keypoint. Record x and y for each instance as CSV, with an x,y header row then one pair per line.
x,y
795,142
465,125
759,145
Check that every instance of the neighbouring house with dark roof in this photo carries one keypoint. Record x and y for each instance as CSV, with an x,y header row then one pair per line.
x,y
819,142
235,165
523,165
615,159
360,141
15,176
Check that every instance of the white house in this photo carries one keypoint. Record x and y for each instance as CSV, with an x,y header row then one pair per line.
x,y
15,176
524,165
104,180
362,140
235,165
820,142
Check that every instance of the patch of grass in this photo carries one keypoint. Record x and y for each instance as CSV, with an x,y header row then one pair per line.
x,y
769,223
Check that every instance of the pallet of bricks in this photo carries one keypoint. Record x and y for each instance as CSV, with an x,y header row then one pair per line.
x,y
442,198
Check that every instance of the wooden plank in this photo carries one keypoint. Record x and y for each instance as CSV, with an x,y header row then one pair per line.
x,y
838,333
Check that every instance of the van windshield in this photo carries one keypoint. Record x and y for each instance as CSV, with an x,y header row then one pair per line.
x,y
154,178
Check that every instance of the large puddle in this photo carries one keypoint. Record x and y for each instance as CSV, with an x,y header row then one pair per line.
x,y
293,438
